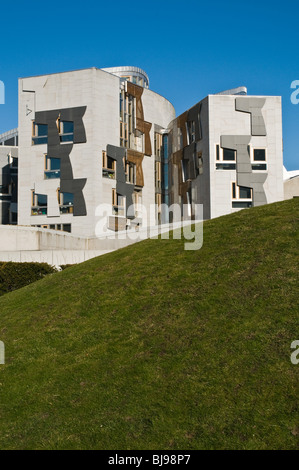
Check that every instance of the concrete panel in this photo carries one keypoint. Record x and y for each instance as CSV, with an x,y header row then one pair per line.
x,y
254,107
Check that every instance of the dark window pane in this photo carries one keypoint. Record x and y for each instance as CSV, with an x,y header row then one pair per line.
x,y
54,163
67,127
41,130
234,190
67,228
68,199
42,200
40,140
259,166
66,138
110,163
225,166
229,154
245,193
259,155
241,204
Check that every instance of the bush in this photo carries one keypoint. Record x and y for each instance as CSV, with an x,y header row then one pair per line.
x,y
16,275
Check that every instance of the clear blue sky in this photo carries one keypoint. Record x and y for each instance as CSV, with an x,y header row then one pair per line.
x,y
189,49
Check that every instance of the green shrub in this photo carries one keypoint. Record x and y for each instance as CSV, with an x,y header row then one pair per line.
x,y
16,275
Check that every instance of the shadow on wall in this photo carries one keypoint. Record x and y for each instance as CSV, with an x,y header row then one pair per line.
x,y
5,199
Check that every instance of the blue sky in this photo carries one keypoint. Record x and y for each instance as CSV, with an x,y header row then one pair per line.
x,y
189,49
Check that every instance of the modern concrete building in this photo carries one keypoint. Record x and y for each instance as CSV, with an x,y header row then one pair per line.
x,y
226,153
86,138
97,137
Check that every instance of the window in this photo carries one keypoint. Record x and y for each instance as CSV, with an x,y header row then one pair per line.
x,y
66,130
228,155
52,167
184,164
126,114
158,174
191,131
137,201
67,228
200,163
130,170
242,196
66,202
118,203
259,159
158,144
158,207
259,155
39,204
109,166
225,158
39,134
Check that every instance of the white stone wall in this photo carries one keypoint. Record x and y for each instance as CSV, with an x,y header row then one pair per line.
x,y
225,120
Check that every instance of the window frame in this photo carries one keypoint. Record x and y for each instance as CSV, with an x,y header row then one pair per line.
x,y
109,173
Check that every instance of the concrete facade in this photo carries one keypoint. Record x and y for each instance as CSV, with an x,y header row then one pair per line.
x,y
98,93
215,149
96,145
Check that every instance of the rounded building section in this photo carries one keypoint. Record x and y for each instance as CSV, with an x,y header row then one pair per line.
x,y
131,74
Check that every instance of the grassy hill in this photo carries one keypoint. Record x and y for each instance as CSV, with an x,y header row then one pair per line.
x,y
154,347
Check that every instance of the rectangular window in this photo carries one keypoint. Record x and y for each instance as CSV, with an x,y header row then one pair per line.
x,y
66,131
259,159
225,158
118,203
39,204
259,155
158,207
244,193
127,119
130,170
52,167
158,142
229,155
39,134
67,228
241,204
109,166
184,165
191,131
225,166
66,202
242,196
137,201
158,174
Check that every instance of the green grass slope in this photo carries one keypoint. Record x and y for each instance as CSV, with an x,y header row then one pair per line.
x,y
154,347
